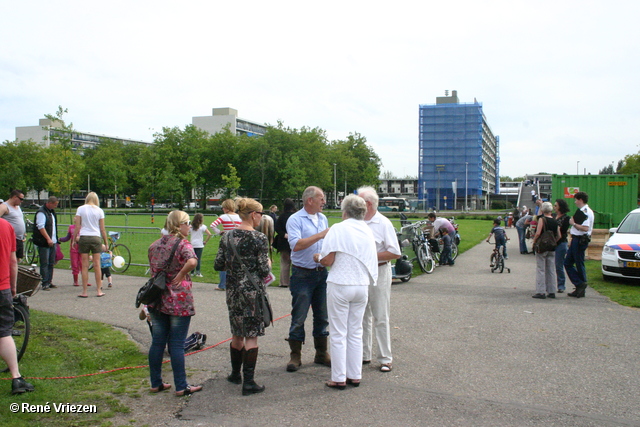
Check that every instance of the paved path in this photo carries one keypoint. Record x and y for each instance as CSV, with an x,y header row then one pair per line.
x,y
471,348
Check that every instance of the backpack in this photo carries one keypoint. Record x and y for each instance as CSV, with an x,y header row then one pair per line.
x,y
547,240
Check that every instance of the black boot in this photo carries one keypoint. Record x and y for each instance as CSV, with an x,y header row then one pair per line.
x,y
236,364
249,386
322,355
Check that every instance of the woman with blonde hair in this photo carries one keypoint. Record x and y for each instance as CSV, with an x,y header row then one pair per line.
x,y
243,254
229,221
89,226
171,314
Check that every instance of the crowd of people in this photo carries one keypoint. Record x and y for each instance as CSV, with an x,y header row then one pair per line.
x,y
350,301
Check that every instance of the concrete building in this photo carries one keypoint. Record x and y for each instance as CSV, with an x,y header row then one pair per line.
x,y
46,129
459,155
223,117
404,188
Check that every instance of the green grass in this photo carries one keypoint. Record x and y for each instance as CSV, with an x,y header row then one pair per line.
x,y
623,291
64,347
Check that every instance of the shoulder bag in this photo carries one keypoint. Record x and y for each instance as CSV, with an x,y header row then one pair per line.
x,y
151,291
263,306
547,240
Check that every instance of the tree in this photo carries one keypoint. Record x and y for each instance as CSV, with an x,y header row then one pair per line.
x,y
232,182
66,165
388,175
105,163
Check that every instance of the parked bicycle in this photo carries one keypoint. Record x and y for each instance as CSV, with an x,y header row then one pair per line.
x,y
420,245
31,254
28,285
117,250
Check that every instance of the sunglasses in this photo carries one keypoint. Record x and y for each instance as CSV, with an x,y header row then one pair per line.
x,y
259,213
186,222
21,198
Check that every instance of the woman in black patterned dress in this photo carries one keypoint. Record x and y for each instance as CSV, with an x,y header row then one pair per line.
x,y
246,324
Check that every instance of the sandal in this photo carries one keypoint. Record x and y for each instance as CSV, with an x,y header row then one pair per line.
x,y
162,387
189,390
333,384
355,383
386,367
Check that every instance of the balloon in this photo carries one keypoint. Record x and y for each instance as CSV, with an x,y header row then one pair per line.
x,y
118,262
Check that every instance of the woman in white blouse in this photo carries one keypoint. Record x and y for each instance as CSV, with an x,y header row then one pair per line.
x,y
350,250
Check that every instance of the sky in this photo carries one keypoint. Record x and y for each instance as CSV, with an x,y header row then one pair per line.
x,y
558,80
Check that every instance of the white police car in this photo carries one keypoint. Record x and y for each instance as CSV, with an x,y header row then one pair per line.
x,y
621,253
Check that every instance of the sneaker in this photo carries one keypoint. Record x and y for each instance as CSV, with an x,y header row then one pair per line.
x,y
109,285
540,296
52,286
199,275
202,340
19,385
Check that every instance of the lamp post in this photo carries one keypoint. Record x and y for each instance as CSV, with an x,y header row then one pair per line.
x,y
466,185
578,168
335,184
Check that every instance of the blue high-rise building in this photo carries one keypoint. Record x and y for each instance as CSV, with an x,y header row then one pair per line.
x,y
459,155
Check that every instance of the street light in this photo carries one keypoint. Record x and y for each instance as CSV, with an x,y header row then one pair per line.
x,y
466,185
578,168
335,183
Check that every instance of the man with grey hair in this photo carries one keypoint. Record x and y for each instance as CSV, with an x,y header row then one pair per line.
x,y
308,285
379,303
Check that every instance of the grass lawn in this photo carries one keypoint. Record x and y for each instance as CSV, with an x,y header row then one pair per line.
x,y
64,347
625,292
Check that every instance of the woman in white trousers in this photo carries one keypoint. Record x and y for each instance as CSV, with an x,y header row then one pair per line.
x,y
350,250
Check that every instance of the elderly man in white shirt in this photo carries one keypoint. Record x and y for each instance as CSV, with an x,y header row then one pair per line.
x,y
379,303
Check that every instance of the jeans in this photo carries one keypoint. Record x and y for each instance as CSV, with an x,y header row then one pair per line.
x,y
198,252
445,256
574,262
223,280
308,289
172,330
47,261
521,239
561,252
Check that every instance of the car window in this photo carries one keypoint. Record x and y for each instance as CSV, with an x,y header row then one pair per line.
x,y
631,224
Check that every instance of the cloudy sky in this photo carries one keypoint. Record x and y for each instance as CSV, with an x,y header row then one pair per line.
x,y
558,80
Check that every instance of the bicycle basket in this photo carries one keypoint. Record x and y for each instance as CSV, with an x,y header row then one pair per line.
x,y
28,281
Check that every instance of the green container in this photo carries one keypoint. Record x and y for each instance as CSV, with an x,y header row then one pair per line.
x,y
611,197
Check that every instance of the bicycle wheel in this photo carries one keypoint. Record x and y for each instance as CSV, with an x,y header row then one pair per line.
x,y
493,262
454,251
20,332
501,264
424,259
124,252
31,253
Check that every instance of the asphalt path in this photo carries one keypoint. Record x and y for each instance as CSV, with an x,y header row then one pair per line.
x,y
470,347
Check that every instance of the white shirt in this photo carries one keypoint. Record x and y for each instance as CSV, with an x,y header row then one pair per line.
x,y
197,236
352,241
91,216
384,234
588,222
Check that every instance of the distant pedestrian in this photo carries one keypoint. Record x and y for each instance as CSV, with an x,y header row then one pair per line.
x,y
282,244
198,241
562,218
45,238
546,284
229,220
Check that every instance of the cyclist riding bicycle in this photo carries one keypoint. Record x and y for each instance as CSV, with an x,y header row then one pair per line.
x,y
500,238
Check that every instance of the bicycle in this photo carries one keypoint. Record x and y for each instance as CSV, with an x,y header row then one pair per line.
x,y
497,259
117,249
420,246
31,254
28,285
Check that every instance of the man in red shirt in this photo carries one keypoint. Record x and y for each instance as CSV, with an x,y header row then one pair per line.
x,y
8,281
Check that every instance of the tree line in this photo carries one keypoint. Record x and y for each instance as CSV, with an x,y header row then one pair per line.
x,y
269,168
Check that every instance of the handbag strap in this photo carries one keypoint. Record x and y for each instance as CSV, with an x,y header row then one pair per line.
x,y
173,252
251,277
